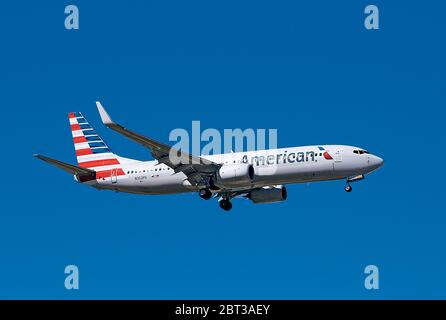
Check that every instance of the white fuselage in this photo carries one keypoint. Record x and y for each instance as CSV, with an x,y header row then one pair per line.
x,y
272,167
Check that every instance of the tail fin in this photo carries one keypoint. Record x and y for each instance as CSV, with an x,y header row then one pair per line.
x,y
91,150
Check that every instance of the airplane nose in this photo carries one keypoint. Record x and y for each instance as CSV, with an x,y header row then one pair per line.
x,y
380,161
376,162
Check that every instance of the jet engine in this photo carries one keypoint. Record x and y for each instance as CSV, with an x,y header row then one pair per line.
x,y
268,194
234,175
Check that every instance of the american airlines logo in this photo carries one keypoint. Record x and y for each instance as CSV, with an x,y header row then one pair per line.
x,y
283,158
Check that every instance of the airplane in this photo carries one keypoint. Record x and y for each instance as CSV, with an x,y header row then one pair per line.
x,y
259,175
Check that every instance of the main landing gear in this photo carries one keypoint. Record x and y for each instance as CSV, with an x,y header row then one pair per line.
x,y
205,194
225,204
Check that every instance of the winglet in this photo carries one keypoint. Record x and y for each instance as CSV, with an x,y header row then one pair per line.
x,y
104,115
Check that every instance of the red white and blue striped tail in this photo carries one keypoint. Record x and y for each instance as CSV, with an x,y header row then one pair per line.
x,y
91,150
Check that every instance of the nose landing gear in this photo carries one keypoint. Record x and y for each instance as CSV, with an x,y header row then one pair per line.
x,y
348,187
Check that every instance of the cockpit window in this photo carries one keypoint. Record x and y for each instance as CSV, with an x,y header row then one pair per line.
x,y
360,151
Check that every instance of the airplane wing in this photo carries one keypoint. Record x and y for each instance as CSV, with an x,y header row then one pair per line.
x,y
197,169
67,167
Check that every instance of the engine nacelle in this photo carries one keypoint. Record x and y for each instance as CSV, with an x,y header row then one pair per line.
x,y
235,175
267,195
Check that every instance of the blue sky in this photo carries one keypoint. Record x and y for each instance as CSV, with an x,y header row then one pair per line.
x,y
311,70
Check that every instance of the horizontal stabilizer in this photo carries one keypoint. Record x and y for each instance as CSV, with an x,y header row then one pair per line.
x,y
67,167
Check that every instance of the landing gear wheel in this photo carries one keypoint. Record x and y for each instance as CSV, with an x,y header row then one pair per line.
x,y
225,204
348,188
205,194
